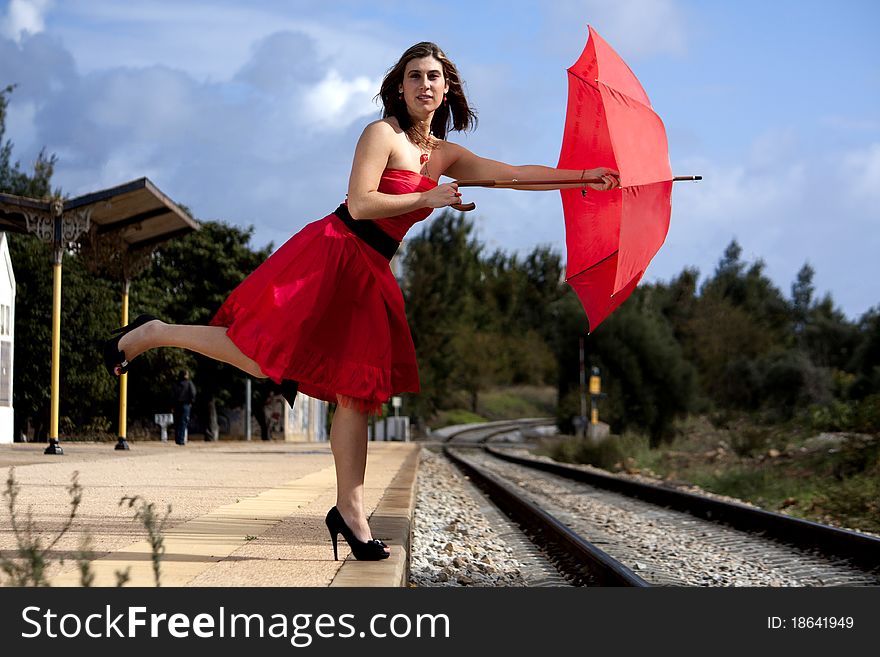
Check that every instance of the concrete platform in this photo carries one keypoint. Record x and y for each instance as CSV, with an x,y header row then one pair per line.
x,y
242,513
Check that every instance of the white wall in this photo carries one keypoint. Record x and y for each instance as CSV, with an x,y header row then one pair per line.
x,y
7,340
307,420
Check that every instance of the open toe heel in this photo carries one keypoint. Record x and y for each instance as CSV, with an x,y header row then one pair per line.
x,y
372,550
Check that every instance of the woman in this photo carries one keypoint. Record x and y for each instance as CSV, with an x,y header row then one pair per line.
x,y
324,312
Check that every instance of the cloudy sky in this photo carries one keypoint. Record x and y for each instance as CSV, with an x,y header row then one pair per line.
x,y
249,111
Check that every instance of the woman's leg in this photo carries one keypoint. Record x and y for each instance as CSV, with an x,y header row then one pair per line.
x,y
210,341
348,441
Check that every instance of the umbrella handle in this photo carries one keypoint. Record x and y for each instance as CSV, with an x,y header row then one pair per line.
x,y
507,184
464,207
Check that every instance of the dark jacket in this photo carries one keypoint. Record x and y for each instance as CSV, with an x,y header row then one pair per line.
x,y
183,392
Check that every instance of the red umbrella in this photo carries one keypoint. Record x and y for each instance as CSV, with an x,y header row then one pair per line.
x,y
610,236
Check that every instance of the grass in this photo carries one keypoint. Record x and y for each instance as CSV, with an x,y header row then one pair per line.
x,y
830,478
454,416
516,402
498,404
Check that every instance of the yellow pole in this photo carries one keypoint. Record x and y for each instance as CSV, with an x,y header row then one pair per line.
x,y
123,380
595,393
56,350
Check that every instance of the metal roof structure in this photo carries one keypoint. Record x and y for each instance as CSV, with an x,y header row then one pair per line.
x,y
137,213
116,230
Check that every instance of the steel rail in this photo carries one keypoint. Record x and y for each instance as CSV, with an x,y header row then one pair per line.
x,y
509,425
861,549
604,568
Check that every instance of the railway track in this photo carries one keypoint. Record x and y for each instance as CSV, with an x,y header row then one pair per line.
x,y
606,530
483,432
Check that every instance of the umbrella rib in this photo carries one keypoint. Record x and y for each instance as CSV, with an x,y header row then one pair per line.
x,y
593,266
595,84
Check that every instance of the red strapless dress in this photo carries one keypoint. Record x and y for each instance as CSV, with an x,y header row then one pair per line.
x,y
326,311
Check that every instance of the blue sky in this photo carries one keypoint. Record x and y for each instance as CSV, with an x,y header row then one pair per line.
x,y
249,111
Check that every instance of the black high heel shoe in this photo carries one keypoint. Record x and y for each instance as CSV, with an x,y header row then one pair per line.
x,y
115,359
372,550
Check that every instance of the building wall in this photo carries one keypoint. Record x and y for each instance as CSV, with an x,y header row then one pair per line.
x,y
7,341
306,421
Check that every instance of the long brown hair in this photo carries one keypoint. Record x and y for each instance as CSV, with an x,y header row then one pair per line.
x,y
454,114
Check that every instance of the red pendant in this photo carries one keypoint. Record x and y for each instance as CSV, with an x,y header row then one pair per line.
x,y
424,158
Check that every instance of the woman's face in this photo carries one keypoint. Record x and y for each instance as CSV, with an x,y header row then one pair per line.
x,y
424,85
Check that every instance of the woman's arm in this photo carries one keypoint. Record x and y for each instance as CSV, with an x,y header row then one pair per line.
x,y
465,165
370,159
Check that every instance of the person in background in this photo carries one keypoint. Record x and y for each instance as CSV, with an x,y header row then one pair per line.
x,y
183,394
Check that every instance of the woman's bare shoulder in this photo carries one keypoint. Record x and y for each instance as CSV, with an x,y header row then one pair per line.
x,y
383,127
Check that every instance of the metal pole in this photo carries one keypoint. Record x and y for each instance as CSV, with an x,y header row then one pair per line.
x,y
54,447
595,395
583,378
123,379
247,408
51,226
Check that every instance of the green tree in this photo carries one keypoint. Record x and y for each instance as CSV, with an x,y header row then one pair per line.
x,y
739,316
443,270
187,281
829,338
479,361
801,301
570,323
865,362
645,375
33,324
651,382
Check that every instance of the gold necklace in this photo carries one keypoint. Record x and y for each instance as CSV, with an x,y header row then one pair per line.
x,y
424,157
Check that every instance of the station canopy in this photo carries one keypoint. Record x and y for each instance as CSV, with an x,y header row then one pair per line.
x,y
115,226
137,212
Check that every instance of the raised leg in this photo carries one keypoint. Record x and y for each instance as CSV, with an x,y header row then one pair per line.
x,y
210,341
348,441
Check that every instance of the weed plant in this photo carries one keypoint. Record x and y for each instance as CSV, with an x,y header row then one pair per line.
x,y
28,562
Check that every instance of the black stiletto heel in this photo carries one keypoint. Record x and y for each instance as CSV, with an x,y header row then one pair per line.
x,y
114,358
372,550
335,538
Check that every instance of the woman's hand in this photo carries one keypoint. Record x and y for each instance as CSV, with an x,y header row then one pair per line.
x,y
610,177
442,196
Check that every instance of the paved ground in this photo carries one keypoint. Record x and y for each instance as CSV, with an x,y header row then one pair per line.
x,y
242,513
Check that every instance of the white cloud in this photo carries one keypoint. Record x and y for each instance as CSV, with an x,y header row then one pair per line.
x,y
772,148
243,150
250,113
20,119
335,101
852,124
24,17
637,28
862,170
732,201
211,40
785,210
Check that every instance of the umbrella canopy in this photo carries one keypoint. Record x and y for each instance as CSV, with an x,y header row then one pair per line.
x,y
611,236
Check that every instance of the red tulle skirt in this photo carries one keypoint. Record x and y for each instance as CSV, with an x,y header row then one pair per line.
x,y
325,310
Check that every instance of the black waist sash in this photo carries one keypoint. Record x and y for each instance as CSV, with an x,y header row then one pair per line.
x,y
369,232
